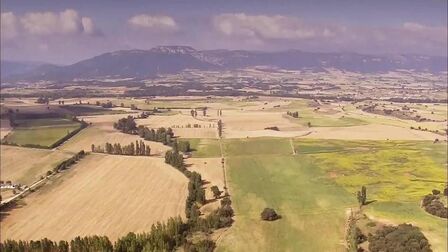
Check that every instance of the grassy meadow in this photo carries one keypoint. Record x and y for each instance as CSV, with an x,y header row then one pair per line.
x,y
313,190
42,132
204,148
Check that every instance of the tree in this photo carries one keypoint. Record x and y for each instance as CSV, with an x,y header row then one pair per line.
x,y
216,192
362,196
220,128
269,214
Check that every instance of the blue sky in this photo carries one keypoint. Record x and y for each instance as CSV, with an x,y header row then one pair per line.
x,y
65,31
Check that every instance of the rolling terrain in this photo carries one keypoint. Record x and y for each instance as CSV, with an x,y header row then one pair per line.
x,y
174,59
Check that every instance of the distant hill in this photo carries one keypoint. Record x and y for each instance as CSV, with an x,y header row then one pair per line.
x,y
9,68
173,59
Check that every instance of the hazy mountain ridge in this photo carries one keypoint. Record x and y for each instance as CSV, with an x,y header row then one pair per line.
x,y
173,59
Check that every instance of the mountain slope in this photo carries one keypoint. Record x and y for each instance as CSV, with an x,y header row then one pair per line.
x,y
173,59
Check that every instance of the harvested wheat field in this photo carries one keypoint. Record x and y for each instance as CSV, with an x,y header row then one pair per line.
x,y
235,120
26,165
371,132
212,173
101,195
183,125
99,136
209,168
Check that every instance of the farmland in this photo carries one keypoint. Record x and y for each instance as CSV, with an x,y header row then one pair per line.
x,y
26,165
106,195
43,132
318,185
308,169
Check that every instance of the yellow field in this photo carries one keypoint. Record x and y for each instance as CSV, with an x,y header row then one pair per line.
x,y
102,195
26,165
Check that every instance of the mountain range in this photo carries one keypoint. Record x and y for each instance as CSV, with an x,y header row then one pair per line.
x,y
141,64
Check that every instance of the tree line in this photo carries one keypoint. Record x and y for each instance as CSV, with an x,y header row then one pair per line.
x,y
220,128
161,237
69,162
137,149
221,217
293,114
161,135
43,100
126,125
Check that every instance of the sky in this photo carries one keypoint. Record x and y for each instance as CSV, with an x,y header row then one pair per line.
x,y
66,31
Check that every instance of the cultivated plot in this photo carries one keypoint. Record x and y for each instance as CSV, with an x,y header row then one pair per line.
x,y
101,195
27,165
43,132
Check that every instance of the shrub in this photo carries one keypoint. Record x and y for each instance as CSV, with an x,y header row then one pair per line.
x,y
201,246
403,237
269,214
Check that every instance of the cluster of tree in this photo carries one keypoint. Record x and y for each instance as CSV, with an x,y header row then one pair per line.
x,y
162,237
218,218
126,125
362,196
137,149
193,113
108,104
69,162
193,126
196,195
216,192
145,114
175,159
293,114
403,237
432,204
358,236
43,100
183,146
219,113
201,246
162,135
269,214
220,128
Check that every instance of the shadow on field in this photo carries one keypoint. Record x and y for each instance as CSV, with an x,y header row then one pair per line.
x,y
6,209
370,202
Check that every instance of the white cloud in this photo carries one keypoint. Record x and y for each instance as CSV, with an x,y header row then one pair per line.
x,y
155,22
266,27
8,25
67,22
88,26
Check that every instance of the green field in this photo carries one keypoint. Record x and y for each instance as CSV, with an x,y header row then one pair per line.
x,y
257,147
43,132
204,148
88,110
313,190
311,205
